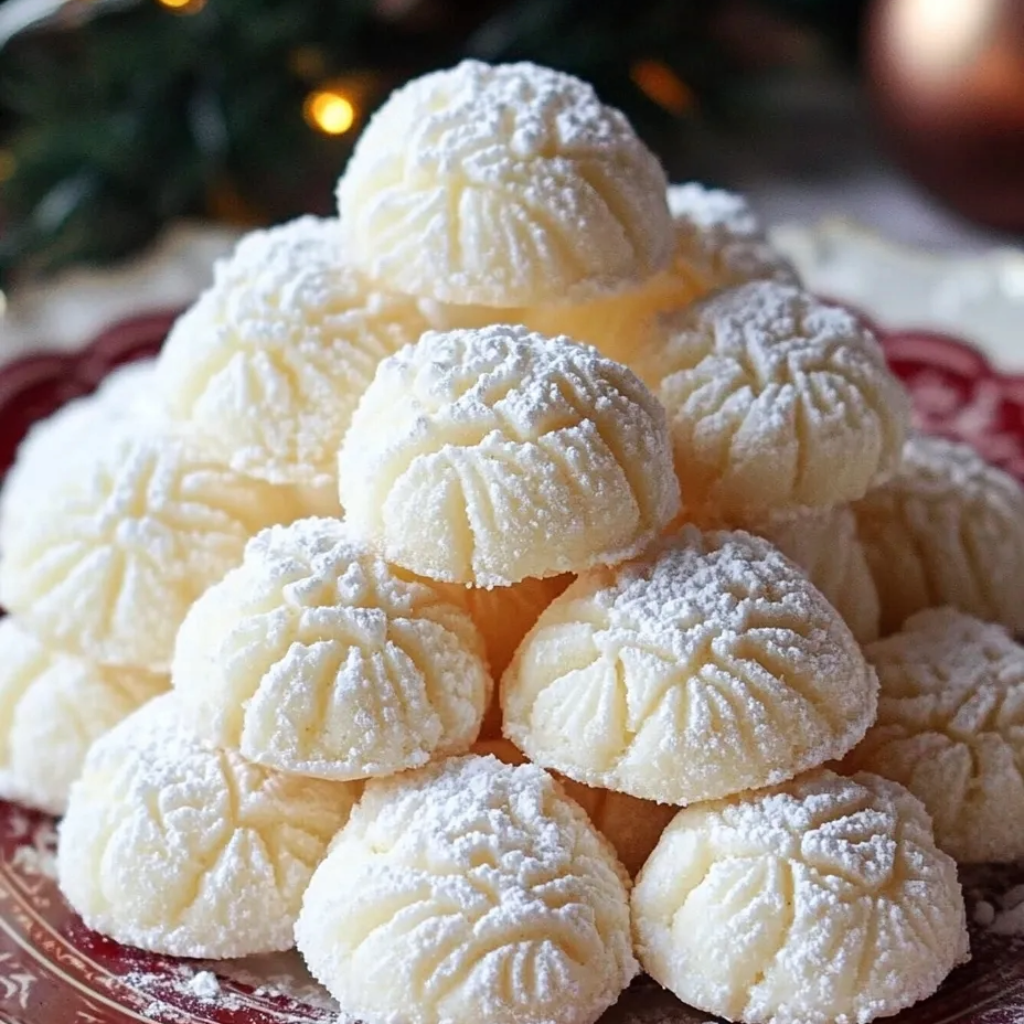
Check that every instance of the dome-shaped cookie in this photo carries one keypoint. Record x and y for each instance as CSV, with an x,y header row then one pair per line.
x,y
469,891
314,656
267,367
823,900
484,457
632,826
127,539
503,185
177,847
947,530
52,707
775,400
825,545
710,666
719,243
71,434
951,729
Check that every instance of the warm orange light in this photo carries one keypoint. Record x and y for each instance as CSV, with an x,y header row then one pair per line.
x,y
330,112
659,83
183,6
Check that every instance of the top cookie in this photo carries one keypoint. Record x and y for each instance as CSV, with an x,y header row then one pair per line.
x,y
503,185
776,400
484,457
266,368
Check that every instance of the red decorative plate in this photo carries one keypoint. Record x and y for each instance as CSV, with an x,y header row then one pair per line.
x,y
55,971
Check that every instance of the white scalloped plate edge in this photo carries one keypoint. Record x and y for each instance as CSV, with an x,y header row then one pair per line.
x,y
979,297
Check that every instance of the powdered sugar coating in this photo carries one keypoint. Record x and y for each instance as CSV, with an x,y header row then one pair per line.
x,y
632,826
485,457
824,901
503,185
266,368
948,529
469,891
951,729
710,666
316,657
71,433
127,540
826,546
52,707
719,243
177,847
776,400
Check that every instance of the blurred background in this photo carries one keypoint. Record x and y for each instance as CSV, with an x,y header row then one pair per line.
x,y
120,117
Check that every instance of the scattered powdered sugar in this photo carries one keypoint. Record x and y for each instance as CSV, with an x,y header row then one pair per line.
x,y
38,858
503,185
277,987
205,986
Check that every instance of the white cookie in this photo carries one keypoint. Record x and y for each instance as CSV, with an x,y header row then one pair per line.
x,y
52,707
503,185
947,530
266,368
775,401
179,848
469,891
951,729
128,393
708,667
126,541
822,901
316,657
488,456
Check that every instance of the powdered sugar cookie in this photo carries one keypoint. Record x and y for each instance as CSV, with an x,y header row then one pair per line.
x,y
710,666
823,900
179,848
503,185
632,826
126,541
949,529
775,400
719,243
316,657
71,433
951,729
488,456
826,546
52,706
266,368
467,891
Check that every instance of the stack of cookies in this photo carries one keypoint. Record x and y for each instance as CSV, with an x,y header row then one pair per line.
x,y
516,551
